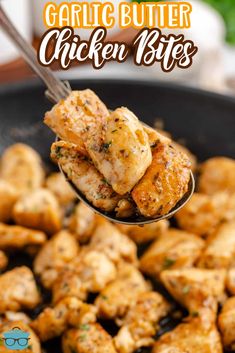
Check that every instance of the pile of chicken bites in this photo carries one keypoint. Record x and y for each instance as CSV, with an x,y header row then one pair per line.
x,y
115,161
78,255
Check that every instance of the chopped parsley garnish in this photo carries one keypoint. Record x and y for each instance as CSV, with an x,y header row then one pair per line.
x,y
168,262
84,327
186,289
105,182
58,152
106,146
82,337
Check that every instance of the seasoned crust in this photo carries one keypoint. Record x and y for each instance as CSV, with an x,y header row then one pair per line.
x,y
84,175
79,118
164,183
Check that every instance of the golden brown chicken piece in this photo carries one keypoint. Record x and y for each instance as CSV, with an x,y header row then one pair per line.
x,y
202,214
21,167
3,260
84,175
82,222
230,281
58,185
68,284
8,197
18,290
34,343
174,249
89,338
156,135
16,237
79,119
52,322
193,336
146,233
116,245
217,174
220,250
125,154
56,254
196,289
94,269
164,183
39,210
226,324
139,325
10,316
117,297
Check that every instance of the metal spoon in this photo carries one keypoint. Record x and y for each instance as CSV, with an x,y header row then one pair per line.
x,y
58,90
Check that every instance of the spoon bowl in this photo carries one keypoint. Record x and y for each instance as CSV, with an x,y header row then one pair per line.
x,y
136,219
59,90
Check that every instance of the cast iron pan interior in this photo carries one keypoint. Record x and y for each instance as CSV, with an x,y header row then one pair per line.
x,y
204,121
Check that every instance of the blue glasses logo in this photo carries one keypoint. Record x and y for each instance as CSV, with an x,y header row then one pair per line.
x,y
16,339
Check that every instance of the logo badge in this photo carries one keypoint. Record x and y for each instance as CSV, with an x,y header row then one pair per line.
x,y
16,339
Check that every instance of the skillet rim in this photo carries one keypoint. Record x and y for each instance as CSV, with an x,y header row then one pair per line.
x,y
8,88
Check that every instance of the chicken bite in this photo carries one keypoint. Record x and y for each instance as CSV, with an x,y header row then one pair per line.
x,y
94,269
16,237
56,254
125,154
82,222
34,343
39,210
220,250
230,281
117,297
226,322
9,316
21,166
193,336
217,174
174,249
80,170
90,338
18,290
52,322
8,197
202,214
196,289
68,284
164,183
139,325
116,245
145,233
58,185
78,119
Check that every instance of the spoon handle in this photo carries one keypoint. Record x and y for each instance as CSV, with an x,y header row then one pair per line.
x,y
56,89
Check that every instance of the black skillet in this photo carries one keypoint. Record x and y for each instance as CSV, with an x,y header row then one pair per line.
x,y
204,121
